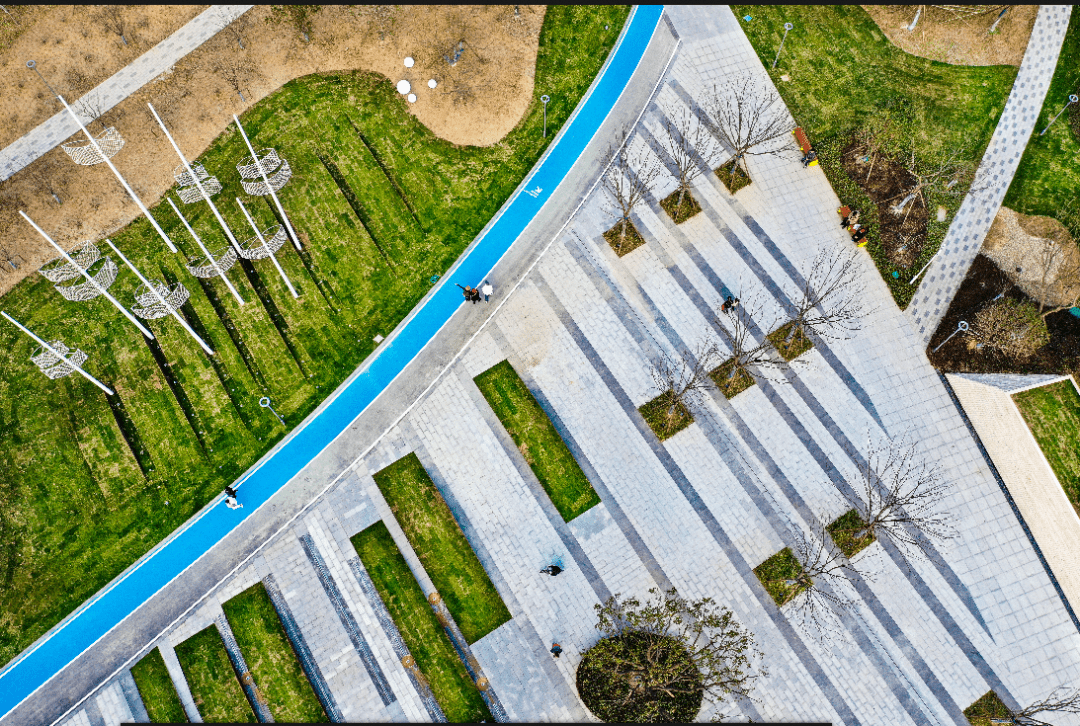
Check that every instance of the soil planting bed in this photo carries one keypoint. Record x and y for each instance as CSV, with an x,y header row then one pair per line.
x,y
679,213
733,176
983,283
901,235
624,245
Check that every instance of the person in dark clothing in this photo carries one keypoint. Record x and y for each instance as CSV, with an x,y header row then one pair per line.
x,y
859,235
730,303
809,157
556,649
552,570
475,297
230,499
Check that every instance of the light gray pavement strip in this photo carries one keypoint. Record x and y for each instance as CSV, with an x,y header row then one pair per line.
x,y
144,626
179,681
971,223
133,697
117,87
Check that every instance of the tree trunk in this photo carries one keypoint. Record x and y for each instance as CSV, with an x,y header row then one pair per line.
x,y
791,333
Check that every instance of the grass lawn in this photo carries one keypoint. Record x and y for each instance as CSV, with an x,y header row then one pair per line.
x,y
382,205
428,643
987,707
156,689
212,680
843,531
442,548
775,573
270,656
1053,415
664,421
537,439
728,385
1048,179
790,350
845,76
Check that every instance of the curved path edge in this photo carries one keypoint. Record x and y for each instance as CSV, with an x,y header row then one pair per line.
x,y
73,658
999,164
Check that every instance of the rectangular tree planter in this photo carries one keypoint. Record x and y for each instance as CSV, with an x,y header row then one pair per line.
x,y
798,345
624,245
537,440
271,658
773,573
445,553
424,636
733,176
679,213
729,386
662,419
843,532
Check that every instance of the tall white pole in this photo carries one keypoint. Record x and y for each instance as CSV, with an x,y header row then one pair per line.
x,y
268,250
202,190
163,301
266,180
128,189
209,256
91,280
55,352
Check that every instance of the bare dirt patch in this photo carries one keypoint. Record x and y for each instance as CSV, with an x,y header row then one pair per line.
x,y
1037,254
901,235
958,39
477,101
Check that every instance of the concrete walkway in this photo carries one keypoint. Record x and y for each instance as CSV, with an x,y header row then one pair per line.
x,y
972,221
117,87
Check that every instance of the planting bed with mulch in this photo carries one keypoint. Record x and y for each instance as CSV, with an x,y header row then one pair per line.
x,y
983,283
679,213
886,183
733,176
624,243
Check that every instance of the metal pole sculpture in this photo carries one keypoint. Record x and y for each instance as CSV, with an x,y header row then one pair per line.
x,y
187,191
1073,98
266,180
83,259
787,29
209,257
169,306
61,363
93,283
195,178
105,157
269,251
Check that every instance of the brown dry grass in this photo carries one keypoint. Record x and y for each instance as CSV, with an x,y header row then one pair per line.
x,y
942,36
477,101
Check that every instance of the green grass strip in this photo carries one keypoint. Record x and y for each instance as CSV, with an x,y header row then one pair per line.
x,y
844,76
537,439
1048,178
271,658
156,689
1053,415
212,680
442,548
426,639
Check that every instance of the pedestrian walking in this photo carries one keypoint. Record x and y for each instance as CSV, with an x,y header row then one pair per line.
x,y
471,293
730,303
552,570
859,235
230,499
556,649
487,289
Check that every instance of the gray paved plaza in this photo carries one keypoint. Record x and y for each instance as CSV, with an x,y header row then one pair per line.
x,y
923,638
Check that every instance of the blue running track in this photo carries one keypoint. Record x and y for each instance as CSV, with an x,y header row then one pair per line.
x,y
109,607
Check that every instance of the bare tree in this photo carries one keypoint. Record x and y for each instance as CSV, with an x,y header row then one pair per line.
x,y
901,496
829,303
682,381
236,28
44,174
952,167
736,327
235,71
112,19
1013,327
750,119
824,570
1061,700
629,179
691,146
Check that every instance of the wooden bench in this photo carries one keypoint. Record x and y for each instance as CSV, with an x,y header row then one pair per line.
x,y
804,143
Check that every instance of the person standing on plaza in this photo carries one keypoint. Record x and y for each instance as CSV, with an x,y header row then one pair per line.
x,y
487,289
